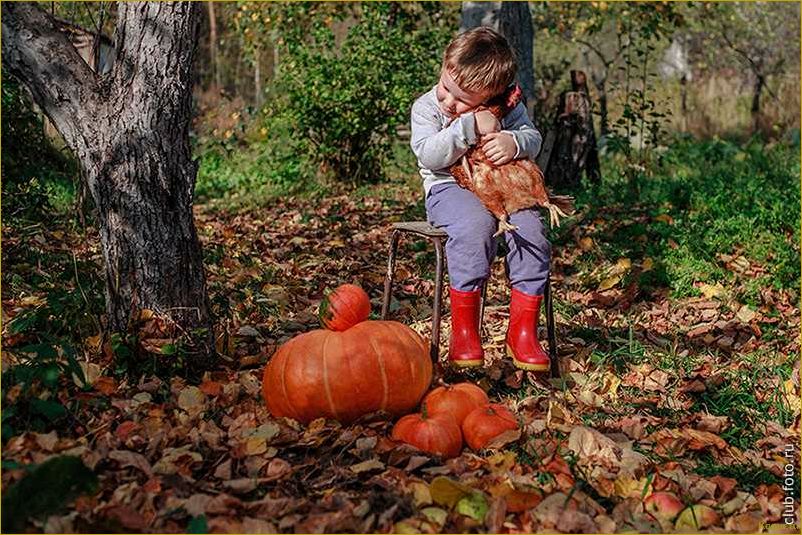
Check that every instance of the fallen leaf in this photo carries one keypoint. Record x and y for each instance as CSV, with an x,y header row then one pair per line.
x,y
192,400
448,492
608,283
474,506
745,314
366,466
131,458
694,518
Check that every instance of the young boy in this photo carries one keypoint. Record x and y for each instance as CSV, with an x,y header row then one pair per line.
x,y
478,65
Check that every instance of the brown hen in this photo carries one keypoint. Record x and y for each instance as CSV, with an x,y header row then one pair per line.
x,y
505,189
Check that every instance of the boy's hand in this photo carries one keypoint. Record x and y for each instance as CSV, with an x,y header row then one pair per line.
x,y
486,122
499,147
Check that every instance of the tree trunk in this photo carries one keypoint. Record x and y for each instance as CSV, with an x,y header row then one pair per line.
x,y
257,78
573,140
213,45
604,121
514,21
130,132
757,91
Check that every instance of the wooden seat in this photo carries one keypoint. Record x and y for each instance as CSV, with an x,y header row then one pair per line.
x,y
437,237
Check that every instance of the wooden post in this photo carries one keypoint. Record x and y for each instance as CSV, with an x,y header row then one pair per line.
x,y
570,145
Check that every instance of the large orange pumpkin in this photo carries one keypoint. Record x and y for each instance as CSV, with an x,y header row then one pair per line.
x,y
373,366
486,423
457,400
343,308
433,433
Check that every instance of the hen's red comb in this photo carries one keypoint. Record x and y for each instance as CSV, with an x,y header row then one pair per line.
x,y
514,97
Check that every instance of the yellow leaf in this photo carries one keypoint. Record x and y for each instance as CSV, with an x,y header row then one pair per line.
x,y
586,243
648,264
255,446
711,291
448,492
420,493
694,518
665,218
366,466
32,301
609,282
745,314
435,515
624,264
502,461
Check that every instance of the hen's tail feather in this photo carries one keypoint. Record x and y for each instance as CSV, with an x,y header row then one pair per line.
x,y
564,202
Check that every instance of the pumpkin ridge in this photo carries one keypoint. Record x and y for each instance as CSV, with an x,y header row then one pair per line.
x,y
410,335
326,385
284,385
385,386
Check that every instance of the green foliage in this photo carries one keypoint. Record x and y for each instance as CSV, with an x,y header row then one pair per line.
x,y
722,198
45,490
249,172
345,95
35,182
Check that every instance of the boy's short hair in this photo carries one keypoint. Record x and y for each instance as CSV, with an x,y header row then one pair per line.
x,y
481,59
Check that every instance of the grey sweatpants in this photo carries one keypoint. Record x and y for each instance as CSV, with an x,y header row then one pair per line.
x,y
470,247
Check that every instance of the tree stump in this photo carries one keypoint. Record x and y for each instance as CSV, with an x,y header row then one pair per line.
x,y
569,147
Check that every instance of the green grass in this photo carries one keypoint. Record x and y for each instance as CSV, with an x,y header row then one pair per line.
x,y
748,476
747,399
723,198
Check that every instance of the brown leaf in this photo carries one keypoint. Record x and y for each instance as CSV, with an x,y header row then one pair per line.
x,y
277,469
105,385
130,458
366,466
498,442
211,388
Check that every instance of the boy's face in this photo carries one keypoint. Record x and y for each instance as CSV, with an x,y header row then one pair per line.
x,y
454,101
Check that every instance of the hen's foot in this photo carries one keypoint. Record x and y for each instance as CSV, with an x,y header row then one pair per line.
x,y
554,214
504,226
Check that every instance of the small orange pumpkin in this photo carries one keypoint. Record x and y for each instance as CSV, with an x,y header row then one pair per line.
x,y
344,307
457,400
438,434
486,423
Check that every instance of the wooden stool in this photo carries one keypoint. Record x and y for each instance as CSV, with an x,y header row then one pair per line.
x,y
437,237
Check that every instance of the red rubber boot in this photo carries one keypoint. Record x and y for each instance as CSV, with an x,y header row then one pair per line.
x,y
465,347
522,340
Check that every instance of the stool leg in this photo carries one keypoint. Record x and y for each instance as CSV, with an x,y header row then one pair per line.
x,y
555,367
438,299
482,307
388,278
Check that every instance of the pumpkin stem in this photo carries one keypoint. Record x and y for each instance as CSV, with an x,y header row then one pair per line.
x,y
424,413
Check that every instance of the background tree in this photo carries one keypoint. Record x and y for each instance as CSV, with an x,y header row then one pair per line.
x,y
129,130
514,21
764,41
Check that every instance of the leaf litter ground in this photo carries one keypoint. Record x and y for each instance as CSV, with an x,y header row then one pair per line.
x,y
696,396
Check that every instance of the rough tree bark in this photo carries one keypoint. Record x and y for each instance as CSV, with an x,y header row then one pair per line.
x,y
129,130
514,21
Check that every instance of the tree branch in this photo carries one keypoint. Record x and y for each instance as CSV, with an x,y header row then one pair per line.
x,y
44,60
